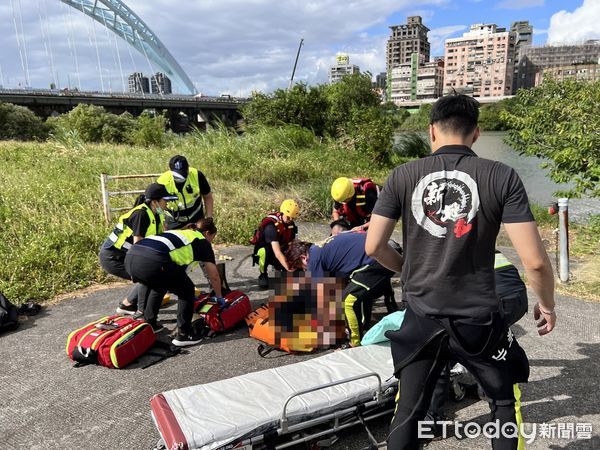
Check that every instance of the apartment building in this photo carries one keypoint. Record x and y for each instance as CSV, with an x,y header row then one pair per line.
x,y
523,32
481,62
581,72
341,69
405,40
417,80
535,60
138,83
161,84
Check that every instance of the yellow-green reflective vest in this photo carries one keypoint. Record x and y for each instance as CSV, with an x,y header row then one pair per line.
x,y
177,243
501,261
189,199
122,232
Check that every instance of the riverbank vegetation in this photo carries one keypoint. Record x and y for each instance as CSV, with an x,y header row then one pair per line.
x,y
293,145
50,201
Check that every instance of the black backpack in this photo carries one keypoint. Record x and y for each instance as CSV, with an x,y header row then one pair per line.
x,y
8,315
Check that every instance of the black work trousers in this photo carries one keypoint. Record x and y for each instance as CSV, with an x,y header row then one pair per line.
x,y
112,261
422,348
158,274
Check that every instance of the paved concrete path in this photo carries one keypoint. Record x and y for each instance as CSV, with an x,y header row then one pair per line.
x,y
45,403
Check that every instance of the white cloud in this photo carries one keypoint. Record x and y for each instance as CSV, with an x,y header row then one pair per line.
x,y
519,4
223,45
438,36
577,26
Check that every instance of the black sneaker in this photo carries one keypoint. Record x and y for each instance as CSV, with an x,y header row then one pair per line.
x,y
126,309
186,340
157,327
263,281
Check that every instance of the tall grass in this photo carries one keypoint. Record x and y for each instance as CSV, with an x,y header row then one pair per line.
x,y
50,201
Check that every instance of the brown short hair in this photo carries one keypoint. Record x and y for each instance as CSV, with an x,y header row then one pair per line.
x,y
295,251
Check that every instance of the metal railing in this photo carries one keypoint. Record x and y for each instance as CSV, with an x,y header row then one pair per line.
x,y
106,194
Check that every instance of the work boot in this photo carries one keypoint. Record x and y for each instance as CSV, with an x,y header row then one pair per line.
x,y
263,281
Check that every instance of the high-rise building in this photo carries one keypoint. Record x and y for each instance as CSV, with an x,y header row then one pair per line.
x,y
534,60
341,69
138,83
481,62
523,33
161,84
380,80
405,40
417,80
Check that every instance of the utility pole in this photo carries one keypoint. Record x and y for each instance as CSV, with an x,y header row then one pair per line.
x,y
295,63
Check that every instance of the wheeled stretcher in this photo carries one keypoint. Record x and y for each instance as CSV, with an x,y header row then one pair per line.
x,y
280,407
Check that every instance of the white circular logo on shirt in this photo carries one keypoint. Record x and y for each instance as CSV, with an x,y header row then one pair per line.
x,y
445,198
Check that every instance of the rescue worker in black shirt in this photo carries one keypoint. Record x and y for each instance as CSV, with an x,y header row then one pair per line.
x,y
271,238
194,196
452,204
512,293
159,263
145,219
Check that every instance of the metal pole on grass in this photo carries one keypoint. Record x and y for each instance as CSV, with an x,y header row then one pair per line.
x,y
563,234
105,205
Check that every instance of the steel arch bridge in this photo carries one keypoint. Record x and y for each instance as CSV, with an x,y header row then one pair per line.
x,y
121,20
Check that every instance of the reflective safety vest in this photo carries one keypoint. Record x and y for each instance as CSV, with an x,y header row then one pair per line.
x,y
501,261
177,244
121,236
189,201
356,211
285,232
507,277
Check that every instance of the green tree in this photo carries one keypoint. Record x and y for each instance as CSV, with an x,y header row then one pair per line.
x,y
559,122
418,121
346,98
302,105
348,110
20,123
149,131
86,120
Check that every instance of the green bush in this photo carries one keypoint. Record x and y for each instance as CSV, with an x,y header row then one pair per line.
x,y
20,123
418,121
348,111
411,145
93,124
149,131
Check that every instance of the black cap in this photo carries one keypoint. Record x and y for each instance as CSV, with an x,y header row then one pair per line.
x,y
157,191
180,165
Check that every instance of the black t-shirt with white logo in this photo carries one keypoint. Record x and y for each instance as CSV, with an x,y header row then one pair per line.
x,y
451,204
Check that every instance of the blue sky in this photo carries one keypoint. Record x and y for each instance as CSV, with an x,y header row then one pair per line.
x,y
238,46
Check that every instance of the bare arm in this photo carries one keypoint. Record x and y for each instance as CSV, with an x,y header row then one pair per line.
x,y
380,230
137,239
334,214
364,226
279,255
526,239
208,204
214,278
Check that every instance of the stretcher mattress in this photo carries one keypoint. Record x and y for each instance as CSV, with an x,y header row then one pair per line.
x,y
209,416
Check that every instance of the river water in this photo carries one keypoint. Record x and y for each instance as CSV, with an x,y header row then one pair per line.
x,y
539,186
